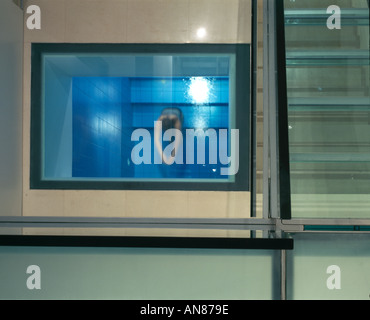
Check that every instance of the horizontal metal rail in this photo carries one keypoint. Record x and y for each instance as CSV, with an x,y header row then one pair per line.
x,y
331,157
329,104
328,57
274,225
339,225
357,17
181,223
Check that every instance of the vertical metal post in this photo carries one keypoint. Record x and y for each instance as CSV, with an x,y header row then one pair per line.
x,y
274,156
270,114
283,275
270,134
266,131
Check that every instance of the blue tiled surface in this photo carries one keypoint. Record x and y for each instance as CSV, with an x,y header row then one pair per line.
x,y
175,90
106,110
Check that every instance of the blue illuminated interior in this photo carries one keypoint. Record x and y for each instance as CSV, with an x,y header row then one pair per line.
x,y
106,110
93,104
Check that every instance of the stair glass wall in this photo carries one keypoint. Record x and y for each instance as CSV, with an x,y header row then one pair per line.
x,y
327,65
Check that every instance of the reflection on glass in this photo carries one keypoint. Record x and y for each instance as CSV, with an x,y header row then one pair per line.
x,y
199,90
329,109
100,115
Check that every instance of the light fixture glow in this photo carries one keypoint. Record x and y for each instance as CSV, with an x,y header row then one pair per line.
x,y
201,33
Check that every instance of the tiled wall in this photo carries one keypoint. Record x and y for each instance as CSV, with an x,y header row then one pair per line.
x,y
149,97
106,110
97,127
133,21
142,21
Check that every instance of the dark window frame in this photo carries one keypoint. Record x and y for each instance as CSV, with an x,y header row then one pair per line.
x,y
243,116
282,104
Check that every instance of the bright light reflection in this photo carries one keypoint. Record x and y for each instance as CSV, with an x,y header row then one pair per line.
x,y
199,90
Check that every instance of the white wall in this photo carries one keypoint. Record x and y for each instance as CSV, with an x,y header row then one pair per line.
x,y
133,21
11,59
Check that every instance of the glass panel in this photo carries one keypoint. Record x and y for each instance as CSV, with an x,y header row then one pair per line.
x,y
106,116
328,85
139,274
329,267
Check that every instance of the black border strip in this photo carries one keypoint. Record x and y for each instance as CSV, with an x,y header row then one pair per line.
x,y
146,242
243,115
282,103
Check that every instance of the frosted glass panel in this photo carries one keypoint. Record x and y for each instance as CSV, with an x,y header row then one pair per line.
x,y
120,273
329,267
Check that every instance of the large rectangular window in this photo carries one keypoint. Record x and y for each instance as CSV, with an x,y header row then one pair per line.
x,y
140,116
